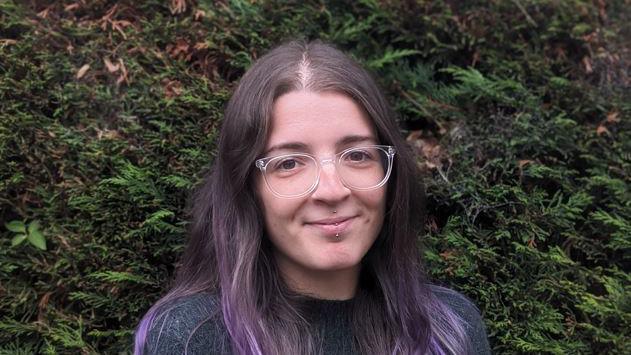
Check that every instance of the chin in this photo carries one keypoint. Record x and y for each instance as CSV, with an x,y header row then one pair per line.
x,y
333,264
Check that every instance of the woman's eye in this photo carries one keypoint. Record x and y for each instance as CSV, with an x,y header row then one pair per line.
x,y
288,164
357,156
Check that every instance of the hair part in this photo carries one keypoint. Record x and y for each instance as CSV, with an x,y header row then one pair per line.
x,y
394,310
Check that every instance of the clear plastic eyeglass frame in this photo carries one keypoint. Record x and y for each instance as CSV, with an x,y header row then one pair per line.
x,y
262,164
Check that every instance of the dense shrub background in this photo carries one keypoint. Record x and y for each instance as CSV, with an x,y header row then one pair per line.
x,y
519,111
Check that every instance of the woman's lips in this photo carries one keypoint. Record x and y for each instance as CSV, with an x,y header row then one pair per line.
x,y
333,226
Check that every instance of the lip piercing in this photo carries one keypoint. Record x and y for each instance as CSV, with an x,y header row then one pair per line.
x,y
337,235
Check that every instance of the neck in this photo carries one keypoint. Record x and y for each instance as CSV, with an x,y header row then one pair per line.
x,y
328,285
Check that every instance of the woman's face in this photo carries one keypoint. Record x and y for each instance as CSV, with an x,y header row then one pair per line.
x,y
306,239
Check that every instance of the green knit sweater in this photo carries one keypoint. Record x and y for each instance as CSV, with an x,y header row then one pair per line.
x,y
193,325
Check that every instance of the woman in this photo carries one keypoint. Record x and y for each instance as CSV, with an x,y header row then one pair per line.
x,y
304,234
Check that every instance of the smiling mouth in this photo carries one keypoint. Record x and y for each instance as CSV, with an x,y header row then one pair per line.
x,y
333,227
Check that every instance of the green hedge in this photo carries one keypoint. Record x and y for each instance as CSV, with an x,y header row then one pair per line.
x,y
519,111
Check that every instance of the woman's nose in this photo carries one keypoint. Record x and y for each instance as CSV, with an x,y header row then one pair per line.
x,y
330,187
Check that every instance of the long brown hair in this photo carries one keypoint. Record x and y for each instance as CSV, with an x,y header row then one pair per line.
x,y
230,255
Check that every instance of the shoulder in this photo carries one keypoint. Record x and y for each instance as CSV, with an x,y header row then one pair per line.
x,y
458,303
188,325
469,313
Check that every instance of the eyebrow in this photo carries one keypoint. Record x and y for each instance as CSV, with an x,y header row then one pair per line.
x,y
298,146
294,146
356,139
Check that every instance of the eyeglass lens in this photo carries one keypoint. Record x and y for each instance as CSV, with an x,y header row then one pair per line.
x,y
294,175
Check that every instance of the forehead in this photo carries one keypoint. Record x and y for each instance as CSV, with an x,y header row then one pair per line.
x,y
317,120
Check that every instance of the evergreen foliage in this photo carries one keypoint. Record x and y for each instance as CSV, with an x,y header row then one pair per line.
x,y
519,111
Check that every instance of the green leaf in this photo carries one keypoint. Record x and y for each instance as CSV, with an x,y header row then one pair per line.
x,y
18,239
391,56
33,226
37,239
115,276
16,226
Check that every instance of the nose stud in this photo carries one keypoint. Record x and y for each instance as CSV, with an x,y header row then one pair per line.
x,y
334,211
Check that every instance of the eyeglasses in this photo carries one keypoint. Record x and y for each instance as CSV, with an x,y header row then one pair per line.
x,y
297,174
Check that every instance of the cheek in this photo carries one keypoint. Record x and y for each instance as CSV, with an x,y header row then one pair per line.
x,y
374,206
376,202
277,212
378,208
